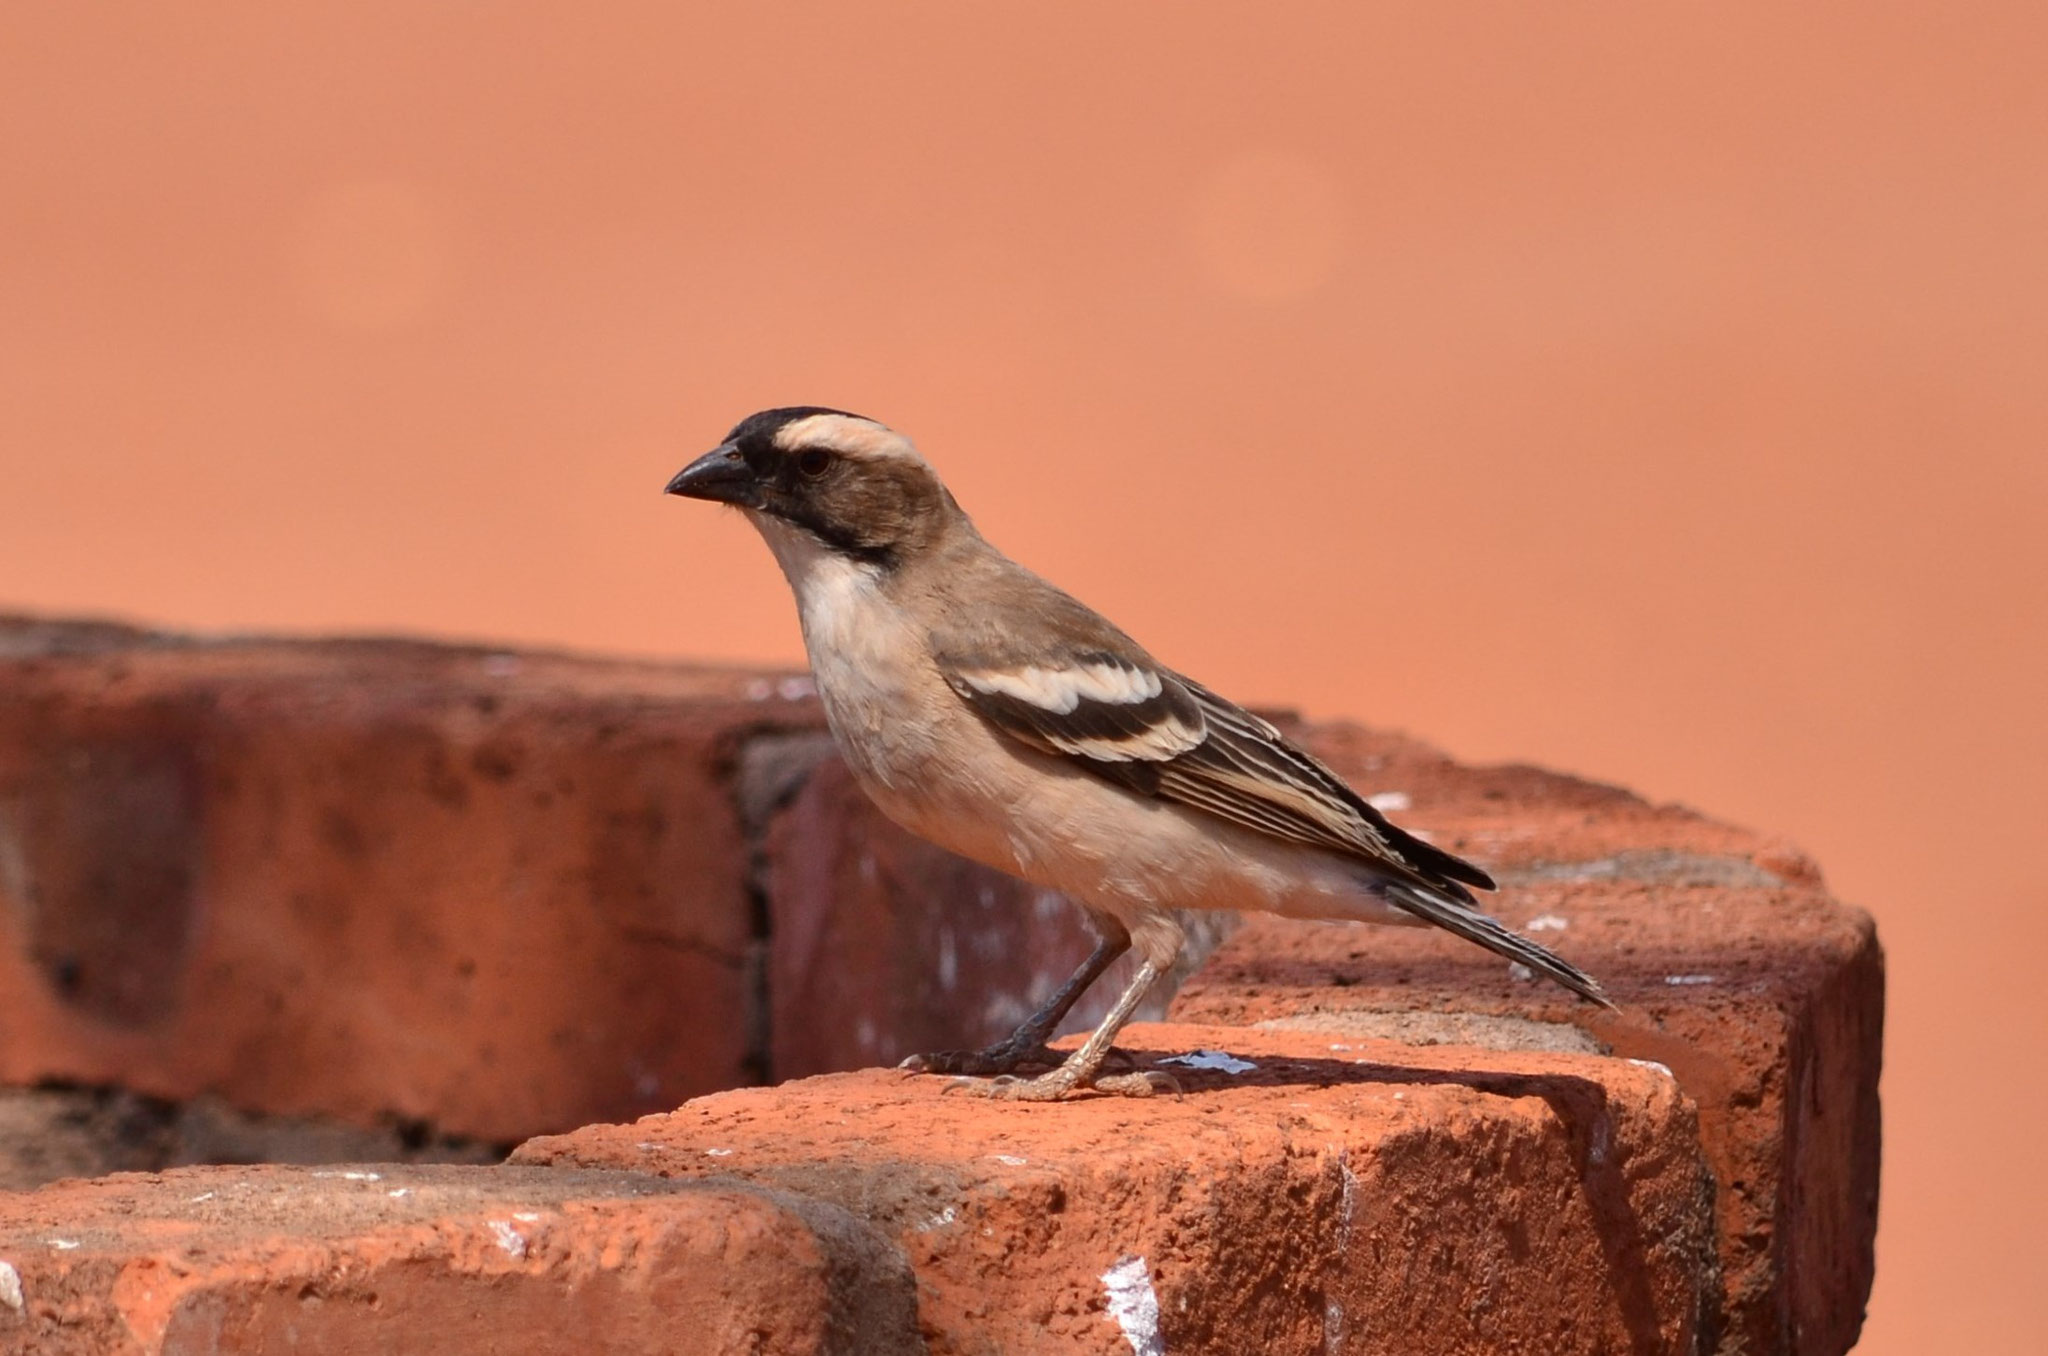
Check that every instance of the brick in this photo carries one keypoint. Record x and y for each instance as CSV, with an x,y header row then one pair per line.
x,y
448,1260
386,883
376,881
51,1133
1734,968
1362,1194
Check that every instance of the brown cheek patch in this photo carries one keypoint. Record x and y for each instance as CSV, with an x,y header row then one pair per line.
x,y
881,506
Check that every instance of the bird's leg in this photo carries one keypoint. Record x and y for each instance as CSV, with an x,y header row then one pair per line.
x,y
1081,1067
1026,1045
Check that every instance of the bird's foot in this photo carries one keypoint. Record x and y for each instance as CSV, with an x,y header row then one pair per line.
x,y
1053,1086
1001,1058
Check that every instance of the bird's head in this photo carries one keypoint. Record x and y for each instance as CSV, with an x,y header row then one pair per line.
x,y
849,484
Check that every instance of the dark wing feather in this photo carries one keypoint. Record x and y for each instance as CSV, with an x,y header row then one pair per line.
x,y
1097,700
1154,732
1248,755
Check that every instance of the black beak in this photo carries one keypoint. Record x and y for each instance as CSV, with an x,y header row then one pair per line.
x,y
721,475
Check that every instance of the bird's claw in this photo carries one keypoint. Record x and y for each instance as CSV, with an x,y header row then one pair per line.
x,y
1054,1086
1005,1088
1145,1083
1049,1087
997,1059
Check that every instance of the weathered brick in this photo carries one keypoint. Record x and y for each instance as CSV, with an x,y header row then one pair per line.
x,y
374,880
50,1133
386,883
1734,968
1362,1194
447,1260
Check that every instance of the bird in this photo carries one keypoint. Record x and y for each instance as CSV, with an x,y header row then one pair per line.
x,y
986,710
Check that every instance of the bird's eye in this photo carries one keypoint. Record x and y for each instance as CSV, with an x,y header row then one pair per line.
x,y
813,462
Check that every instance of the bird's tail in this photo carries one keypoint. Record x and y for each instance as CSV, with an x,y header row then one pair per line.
x,y
1490,933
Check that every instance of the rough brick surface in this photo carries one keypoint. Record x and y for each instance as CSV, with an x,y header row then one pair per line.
x,y
384,1259
373,880
1734,969
1359,1195
52,1133
408,888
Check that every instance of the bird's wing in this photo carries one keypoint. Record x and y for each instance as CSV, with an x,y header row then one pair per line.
x,y
1111,710
1077,688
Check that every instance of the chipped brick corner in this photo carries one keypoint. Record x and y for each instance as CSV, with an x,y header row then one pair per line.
x,y
416,903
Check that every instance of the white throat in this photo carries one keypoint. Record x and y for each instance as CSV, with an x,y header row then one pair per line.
x,y
867,662
833,590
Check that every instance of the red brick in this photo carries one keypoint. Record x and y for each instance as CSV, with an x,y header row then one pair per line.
x,y
1734,967
504,893
50,1133
1375,1196
447,1260
374,880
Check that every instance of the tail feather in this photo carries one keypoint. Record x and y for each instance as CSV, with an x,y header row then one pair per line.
x,y
1492,934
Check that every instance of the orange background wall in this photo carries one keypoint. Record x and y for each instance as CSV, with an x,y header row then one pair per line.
x,y
1658,392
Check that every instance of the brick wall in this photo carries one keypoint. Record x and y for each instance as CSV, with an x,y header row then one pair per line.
x,y
405,901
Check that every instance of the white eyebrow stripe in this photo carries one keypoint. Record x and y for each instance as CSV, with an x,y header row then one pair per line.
x,y
844,433
1060,691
